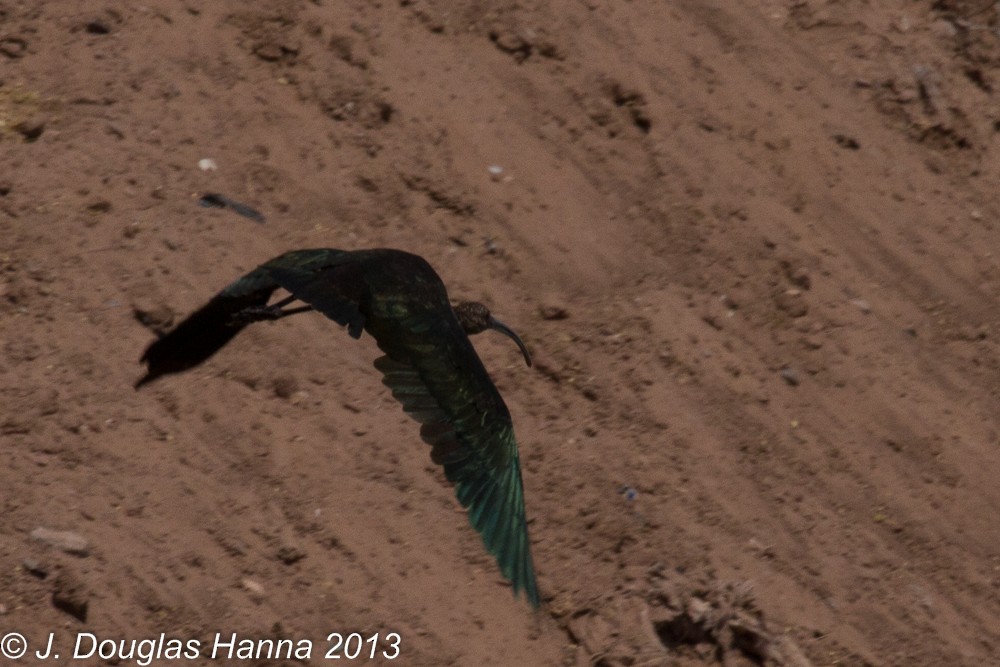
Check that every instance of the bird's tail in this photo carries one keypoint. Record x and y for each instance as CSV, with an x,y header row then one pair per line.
x,y
198,337
209,328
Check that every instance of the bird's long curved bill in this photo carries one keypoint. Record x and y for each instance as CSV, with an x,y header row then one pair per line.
x,y
497,325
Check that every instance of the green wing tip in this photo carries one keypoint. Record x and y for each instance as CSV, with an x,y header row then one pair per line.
x,y
530,589
523,580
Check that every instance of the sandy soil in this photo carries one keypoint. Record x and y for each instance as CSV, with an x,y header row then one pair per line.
x,y
754,249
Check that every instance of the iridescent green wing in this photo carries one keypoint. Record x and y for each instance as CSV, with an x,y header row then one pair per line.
x,y
434,372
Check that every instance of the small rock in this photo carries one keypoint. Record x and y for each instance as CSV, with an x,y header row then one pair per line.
x,y
512,43
289,555
34,567
712,321
845,141
269,51
792,302
97,27
284,386
157,317
790,375
99,206
253,587
13,47
64,540
796,274
761,549
800,277
550,310
31,128
968,332
812,342
207,164
70,595
862,305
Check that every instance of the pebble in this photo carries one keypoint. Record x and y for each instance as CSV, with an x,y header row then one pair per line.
x,y
97,27
70,595
289,555
64,540
862,305
800,277
790,375
13,47
792,302
552,311
207,164
253,586
155,316
31,128
35,568
761,549
99,206
284,386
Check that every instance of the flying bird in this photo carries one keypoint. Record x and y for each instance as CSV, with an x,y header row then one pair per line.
x,y
430,366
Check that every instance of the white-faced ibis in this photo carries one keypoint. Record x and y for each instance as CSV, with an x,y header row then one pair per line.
x,y
429,365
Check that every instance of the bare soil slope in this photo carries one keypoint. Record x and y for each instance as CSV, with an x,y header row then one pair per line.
x,y
754,249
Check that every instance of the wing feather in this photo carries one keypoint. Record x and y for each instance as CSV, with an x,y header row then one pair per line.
x,y
474,440
334,290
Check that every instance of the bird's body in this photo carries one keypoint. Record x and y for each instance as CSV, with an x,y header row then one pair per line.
x,y
429,365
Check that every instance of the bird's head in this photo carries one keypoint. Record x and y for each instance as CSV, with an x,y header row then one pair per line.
x,y
475,318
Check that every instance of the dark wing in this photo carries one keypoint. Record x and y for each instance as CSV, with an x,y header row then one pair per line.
x,y
213,325
430,366
336,290
434,371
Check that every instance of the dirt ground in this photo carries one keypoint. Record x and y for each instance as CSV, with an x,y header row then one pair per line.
x,y
754,249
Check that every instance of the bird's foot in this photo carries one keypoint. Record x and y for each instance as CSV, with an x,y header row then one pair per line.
x,y
275,311
256,314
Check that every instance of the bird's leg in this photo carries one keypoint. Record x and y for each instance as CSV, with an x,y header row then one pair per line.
x,y
275,311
